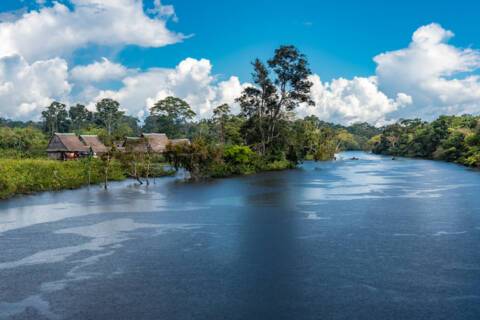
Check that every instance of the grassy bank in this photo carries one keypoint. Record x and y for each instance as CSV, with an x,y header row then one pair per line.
x,y
24,176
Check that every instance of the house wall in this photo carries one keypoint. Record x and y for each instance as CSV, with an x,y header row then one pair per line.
x,y
55,155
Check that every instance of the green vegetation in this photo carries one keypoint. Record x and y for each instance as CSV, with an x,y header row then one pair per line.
x,y
203,160
108,121
448,138
170,116
265,135
20,142
33,175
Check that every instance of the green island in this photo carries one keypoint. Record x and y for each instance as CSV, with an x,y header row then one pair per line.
x,y
265,134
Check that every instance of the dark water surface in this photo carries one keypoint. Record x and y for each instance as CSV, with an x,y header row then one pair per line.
x,y
367,239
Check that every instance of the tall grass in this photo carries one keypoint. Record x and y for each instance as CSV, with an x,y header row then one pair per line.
x,y
24,176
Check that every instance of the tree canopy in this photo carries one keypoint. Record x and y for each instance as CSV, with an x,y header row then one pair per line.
x,y
280,86
170,116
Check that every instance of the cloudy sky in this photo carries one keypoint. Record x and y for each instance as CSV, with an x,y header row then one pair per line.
x,y
373,61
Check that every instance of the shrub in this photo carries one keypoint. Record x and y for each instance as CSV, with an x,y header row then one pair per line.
x,y
239,155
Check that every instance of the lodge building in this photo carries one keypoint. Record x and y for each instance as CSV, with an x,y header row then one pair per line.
x,y
69,146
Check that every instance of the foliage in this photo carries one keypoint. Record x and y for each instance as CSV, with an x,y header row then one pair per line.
x,y
171,116
221,115
449,138
238,154
203,160
22,142
265,135
199,158
279,88
56,118
79,116
109,114
108,120
23,176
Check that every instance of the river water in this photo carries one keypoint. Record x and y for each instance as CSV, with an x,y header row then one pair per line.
x,y
367,239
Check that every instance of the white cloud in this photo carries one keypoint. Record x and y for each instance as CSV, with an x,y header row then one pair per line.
x,y
348,101
341,100
191,80
440,77
99,71
57,30
26,88
428,78
163,10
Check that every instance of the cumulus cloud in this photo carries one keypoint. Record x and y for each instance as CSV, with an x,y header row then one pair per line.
x,y
99,71
26,88
438,76
341,100
348,101
428,78
58,30
191,80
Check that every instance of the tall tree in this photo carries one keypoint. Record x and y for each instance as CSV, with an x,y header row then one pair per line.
x,y
109,114
172,115
56,118
279,88
79,115
221,115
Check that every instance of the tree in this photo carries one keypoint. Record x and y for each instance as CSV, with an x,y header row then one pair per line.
x,y
23,141
79,115
109,114
172,115
56,118
233,129
125,126
220,117
279,89
198,158
106,159
132,157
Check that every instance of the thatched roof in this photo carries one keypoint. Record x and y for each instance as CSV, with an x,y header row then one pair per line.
x,y
134,144
66,142
156,142
179,141
153,142
94,142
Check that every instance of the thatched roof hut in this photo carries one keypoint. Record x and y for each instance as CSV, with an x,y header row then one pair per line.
x,y
66,146
134,144
149,142
156,142
94,143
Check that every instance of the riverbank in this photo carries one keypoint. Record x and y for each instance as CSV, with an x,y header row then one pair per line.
x,y
448,138
27,176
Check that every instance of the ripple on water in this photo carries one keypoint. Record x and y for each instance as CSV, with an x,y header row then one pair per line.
x,y
105,237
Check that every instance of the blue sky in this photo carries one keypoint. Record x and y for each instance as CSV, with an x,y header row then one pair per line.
x,y
340,38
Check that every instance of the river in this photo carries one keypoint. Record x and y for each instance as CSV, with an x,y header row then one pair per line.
x,y
367,239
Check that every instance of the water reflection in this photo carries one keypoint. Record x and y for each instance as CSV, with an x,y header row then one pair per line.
x,y
372,238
